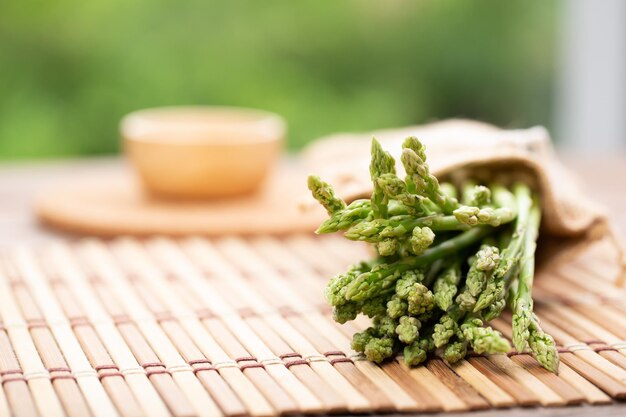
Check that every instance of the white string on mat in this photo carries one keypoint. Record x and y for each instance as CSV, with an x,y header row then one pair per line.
x,y
315,358
36,375
225,364
180,368
618,345
271,361
578,346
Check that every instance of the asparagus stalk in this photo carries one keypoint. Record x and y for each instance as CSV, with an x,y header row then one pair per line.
x,y
486,260
455,351
476,195
382,163
447,326
408,329
336,288
396,189
345,218
445,287
325,195
397,307
523,302
483,339
419,177
504,212
417,352
543,347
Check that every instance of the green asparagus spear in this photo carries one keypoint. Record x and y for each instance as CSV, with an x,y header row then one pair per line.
x,y
421,238
382,163
378,349
325,195
486,260
346,312
445,287
343,219
337,286
377,305
417,352
503,212
406,282
420,299
360,339
511,255
455,351
397,307
385,326
388,246
396,189
420,178
408,329
483,339
447,327
523,302
543,347
476,195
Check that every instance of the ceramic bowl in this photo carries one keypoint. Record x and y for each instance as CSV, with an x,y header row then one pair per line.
x,y
202,152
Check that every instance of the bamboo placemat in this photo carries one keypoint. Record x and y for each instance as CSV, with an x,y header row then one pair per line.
x,y
233,326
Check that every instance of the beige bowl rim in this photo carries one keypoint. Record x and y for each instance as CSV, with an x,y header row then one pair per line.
x,y
271,125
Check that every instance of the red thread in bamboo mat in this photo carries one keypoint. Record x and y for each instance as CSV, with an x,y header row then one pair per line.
x,y
251,365
13,378
296,362
290,355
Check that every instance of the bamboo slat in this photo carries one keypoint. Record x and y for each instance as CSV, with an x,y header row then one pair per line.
x,y
430,383
4,404
456,384
521,393
425,402
495,395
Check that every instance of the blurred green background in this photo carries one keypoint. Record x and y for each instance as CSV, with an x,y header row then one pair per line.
x,y
70,69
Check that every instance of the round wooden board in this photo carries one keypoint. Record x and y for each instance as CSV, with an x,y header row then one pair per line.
x,y
116,204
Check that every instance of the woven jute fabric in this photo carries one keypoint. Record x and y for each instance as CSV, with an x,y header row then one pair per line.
x,y
459,149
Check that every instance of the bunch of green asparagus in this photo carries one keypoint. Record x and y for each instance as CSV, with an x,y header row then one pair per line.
x,y
450,258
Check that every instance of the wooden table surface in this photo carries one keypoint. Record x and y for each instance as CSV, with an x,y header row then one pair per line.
x,y
603,176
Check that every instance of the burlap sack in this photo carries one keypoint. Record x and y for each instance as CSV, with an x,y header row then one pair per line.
x,y
571,222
